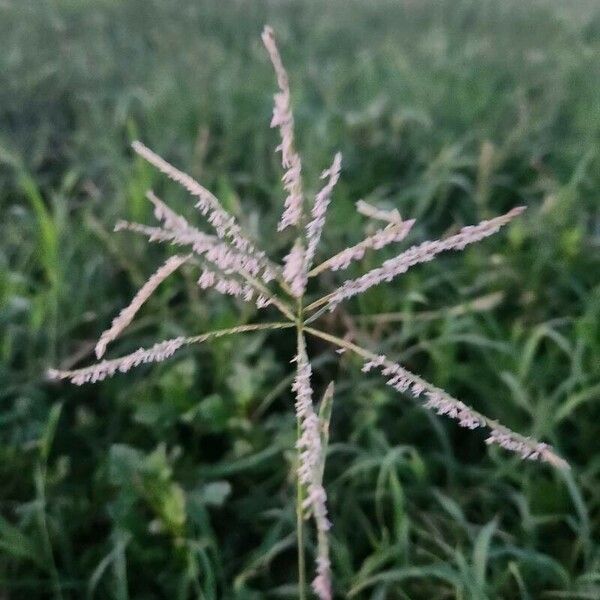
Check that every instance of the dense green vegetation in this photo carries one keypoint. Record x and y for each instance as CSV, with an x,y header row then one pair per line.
x,y
175,481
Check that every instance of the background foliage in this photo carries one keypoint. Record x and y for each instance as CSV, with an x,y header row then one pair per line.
x,y
174,481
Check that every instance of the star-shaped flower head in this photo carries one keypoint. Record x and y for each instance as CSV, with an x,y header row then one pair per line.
x,y
230,263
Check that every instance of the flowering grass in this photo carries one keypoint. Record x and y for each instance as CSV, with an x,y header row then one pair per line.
x,y
176,480
234,266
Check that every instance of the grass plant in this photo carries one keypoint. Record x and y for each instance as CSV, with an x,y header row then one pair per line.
x,y
177,483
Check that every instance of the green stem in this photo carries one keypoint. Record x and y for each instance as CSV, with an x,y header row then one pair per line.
x,y
238,329
319,302
40,483
315,315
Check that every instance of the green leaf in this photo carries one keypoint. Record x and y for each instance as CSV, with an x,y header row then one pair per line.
x,y
123,463
15,543
481,552
215,493
49,431
172,507
325,409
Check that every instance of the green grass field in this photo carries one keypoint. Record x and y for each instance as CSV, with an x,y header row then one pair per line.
x,y
175,481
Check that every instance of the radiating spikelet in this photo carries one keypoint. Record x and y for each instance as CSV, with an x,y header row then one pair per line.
x,y
284,119
157,353
231,287
107,368
319,210
224,224
436,399
128,313
381,238
294,271
418,254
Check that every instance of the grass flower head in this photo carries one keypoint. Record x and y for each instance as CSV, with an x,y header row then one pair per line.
x,y
230,263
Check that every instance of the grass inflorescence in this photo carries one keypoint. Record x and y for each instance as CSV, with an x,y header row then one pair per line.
x,y
177,480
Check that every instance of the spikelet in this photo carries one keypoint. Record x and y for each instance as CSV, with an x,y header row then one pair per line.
x,y
321,584
154,234
107,368
224,224
210,249
128,313
381,238
319,210
158,352
225,257
228,286
177,224
284,119
309,467
443,403
526,448
395,231
294,272
175,230
178,231
418,254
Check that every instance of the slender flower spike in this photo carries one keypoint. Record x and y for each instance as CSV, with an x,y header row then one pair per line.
x,y
294,271
224,224
309,468
127,314
418,254
227,286
159,234
157,353
377,241
107,368
395,231
233,265
284,119
319,210
436,399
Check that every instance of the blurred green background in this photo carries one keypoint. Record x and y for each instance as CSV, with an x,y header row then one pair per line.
x,y
174,481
